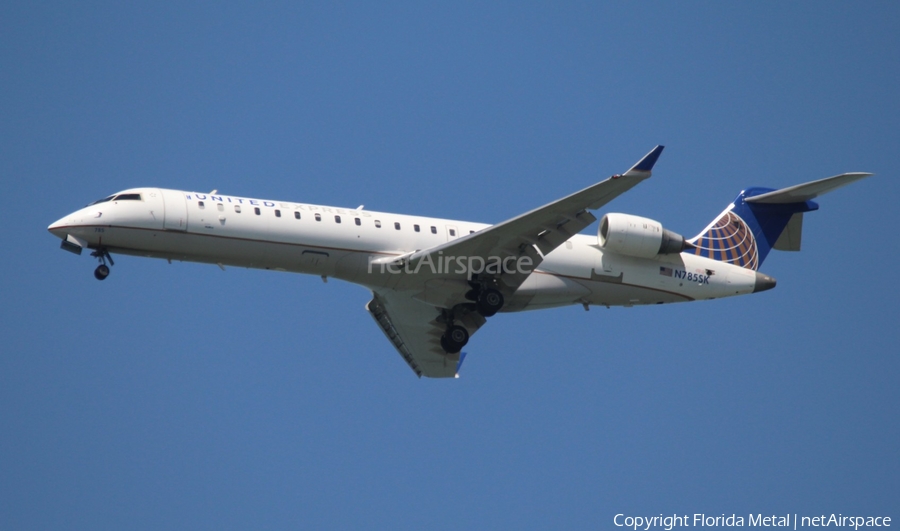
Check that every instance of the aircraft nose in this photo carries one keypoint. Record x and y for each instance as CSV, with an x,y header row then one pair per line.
x,y
763,282
58,227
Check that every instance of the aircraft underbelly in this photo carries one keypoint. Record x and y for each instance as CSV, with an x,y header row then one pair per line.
x,y
609,294
542,289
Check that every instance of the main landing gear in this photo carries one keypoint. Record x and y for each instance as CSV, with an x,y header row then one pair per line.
x,y
489,302
102,270
488,299
454,339
456,335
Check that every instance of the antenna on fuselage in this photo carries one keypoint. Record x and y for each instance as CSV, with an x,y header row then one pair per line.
x,y
214,191
360,207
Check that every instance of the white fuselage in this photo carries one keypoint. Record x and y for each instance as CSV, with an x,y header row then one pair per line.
x,y
342,243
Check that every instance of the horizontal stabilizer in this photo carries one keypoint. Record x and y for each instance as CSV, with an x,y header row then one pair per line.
x,y
806,191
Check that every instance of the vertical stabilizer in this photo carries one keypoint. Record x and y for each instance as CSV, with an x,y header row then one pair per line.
x,y
762,219
746,231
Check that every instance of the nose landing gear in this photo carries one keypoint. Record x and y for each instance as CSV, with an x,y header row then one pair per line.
x,y
102,270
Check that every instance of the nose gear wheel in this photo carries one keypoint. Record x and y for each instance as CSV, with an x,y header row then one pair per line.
x,y
102,270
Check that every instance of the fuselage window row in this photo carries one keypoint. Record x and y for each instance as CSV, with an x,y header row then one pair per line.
x,y
297,215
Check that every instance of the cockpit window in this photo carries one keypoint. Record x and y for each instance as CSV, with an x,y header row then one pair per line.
x,y
120,197
128,197
105,199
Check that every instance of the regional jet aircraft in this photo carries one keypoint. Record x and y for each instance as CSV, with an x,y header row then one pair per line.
x,y
435,282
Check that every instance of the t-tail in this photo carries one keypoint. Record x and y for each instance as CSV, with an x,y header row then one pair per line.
x,y
762,219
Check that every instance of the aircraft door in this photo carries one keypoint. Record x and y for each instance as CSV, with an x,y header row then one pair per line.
x,y
175,210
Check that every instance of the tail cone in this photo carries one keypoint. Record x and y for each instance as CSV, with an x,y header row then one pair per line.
x,y
763,282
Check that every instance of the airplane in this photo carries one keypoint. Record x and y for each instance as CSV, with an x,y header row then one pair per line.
x,y
435,282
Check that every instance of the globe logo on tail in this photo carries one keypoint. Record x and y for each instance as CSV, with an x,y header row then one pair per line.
x,y
728,239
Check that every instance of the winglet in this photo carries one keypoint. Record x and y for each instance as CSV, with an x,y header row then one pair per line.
x,y
462,358
646,163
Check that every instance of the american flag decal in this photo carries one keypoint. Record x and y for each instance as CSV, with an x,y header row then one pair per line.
x,y
665,271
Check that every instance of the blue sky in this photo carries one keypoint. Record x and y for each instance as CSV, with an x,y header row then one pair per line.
x,y
181,396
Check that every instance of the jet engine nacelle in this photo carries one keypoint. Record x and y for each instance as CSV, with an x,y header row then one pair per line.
x,y
637,236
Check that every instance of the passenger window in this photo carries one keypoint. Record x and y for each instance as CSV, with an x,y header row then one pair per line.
x,y
358,221
237,208
221,207
256,209
416,228
296,214
277,213
337,219
201,205
452,231
318,217
471,232
433,229
377,224
397,225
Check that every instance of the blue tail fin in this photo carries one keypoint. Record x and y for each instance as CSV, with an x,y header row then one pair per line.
x,y
746,231
755,222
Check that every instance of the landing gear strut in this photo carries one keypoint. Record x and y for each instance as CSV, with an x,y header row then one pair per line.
x,y
102,270
454,339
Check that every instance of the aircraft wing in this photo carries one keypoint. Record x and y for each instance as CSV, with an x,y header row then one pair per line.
x,y
538,232
414,313
415,329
